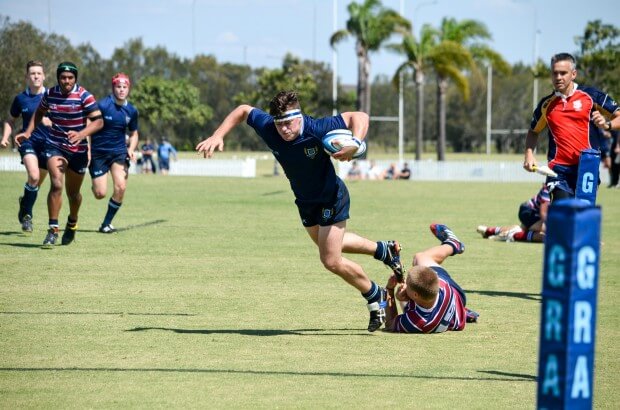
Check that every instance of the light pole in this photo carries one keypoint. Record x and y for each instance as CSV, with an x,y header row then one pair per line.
x,y
535,51
334,60
401,105
489,102
194,28
415,10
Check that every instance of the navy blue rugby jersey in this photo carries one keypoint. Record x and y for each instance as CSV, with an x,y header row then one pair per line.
x,y
308,168
117,121
26,104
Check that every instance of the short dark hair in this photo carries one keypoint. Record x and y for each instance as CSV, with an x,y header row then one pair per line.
x,y
564,57
424,281
282,102
34,63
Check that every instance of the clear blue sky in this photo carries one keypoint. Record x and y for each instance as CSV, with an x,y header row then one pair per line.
x,y
261,32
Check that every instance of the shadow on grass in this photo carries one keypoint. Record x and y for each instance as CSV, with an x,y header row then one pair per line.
x,y
24,245
12,233
130,227
99,313
523,377
258,332
503,377
274,193
518,295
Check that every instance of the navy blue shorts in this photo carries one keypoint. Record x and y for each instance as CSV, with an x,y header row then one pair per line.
x,y
34,147
443,274
164,163
328,213
528,216
565,181
77,161
101,164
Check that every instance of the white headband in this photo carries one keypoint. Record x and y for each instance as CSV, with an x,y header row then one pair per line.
x,y
288,115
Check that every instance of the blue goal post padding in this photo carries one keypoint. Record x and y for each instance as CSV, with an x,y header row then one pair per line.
x,y
588,175
569,301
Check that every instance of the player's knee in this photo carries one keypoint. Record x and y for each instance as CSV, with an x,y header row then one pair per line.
x,y
98,194
420,258
56,186
33,181
119,190
332,263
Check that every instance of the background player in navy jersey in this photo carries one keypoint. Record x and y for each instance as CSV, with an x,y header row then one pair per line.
x,y
532,215
568,113
68,106
31,151
148,164
434,302
322,198
108,147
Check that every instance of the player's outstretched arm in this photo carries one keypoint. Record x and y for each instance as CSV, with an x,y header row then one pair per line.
x,y
216,140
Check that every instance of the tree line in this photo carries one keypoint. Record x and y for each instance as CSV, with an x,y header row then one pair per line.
x,y
444,74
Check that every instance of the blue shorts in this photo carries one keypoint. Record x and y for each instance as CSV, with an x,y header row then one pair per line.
x,y
77,161
164,163
528,216
101,164
443,274
328,213
35,147
565,181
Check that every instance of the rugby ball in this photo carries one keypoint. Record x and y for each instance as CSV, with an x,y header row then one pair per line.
x,y
335,140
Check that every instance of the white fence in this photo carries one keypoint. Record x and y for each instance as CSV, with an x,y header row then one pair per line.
x,y
470,171
245,168
485,171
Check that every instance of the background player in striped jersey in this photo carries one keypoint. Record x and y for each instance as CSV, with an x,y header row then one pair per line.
x,y
321,197
569,113
108,147
434,302
532,214
69,106
32,151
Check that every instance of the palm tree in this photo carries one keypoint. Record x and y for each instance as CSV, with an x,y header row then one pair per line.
x,y
460,36
371,24
421,56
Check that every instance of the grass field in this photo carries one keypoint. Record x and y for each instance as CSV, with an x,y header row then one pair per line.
x,y
212,295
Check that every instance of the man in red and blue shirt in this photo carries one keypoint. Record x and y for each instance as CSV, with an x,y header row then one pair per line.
x,y
433,301
68,106
569,113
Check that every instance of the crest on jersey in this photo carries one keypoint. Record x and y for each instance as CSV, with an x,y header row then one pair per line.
x,y
577,106
127,119
327,213
311,152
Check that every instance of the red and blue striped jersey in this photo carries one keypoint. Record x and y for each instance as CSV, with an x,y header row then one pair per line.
x,y
543,196
448,313
68,113
568,121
